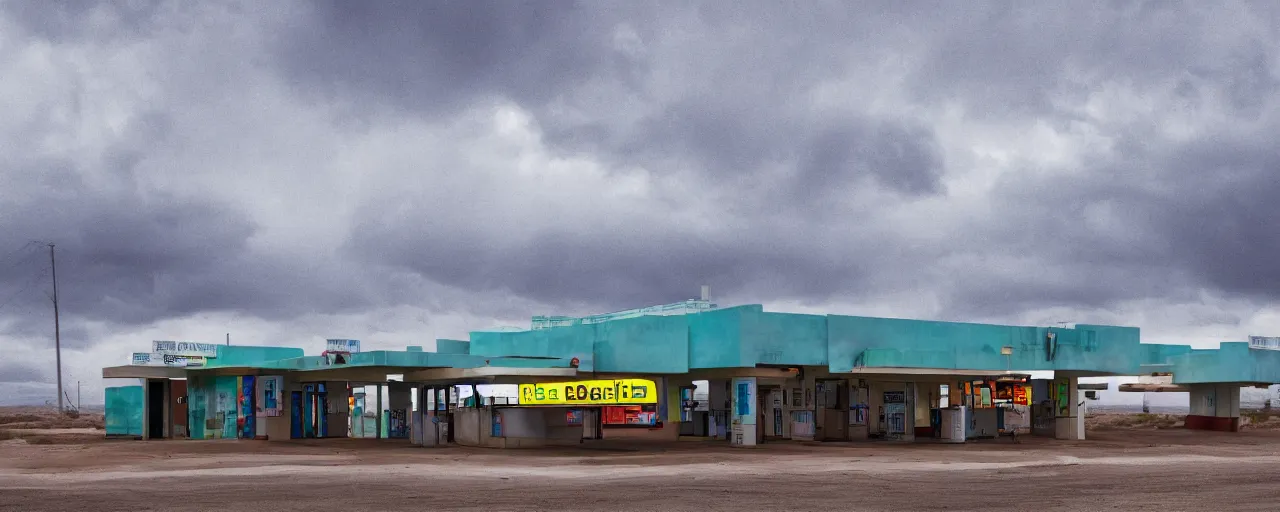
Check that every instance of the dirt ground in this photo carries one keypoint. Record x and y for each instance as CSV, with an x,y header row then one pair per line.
x,y
1158,469
44,425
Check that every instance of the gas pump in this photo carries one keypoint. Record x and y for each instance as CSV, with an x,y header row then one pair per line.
x,y
692,421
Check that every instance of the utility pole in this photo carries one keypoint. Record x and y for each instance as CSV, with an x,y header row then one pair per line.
x,y
57,329
77,395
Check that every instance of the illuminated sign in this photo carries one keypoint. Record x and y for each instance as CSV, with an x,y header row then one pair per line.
x,y
1022,395
590,392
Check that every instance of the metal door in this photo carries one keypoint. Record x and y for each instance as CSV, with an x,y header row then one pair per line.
x,y
295,415
1042,413
248,416
178,404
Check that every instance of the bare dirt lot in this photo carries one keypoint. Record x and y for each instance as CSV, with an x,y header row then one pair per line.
x,y
1165,470
45,425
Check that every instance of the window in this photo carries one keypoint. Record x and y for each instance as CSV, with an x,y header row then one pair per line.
x,y
944,396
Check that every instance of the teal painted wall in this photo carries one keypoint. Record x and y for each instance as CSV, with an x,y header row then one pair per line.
x,y
783,338
715,337
1230,362
560,342
199,391
899,343
1104,348
747,336
226,404
647,344
123,411
453,346
245,355
1265,363
1158,354
212,407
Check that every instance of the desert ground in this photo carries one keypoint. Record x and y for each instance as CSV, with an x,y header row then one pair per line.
x,y
1127,464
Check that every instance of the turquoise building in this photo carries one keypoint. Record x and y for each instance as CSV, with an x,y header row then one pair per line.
x,y
769,375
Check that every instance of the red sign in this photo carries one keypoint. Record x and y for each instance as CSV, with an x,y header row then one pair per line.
x,y
1021,395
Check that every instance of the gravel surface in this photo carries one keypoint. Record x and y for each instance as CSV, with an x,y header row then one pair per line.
x,y
1138,470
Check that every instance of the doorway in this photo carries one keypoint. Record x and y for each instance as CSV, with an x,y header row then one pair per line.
x,y
315,411
833,410
771,421
155,409
295,415
592,421
247,427
178,404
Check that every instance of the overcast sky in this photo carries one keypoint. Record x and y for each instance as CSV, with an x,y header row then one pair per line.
x,y
397,172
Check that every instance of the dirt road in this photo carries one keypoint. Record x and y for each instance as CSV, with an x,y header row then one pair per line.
x,y
1152,470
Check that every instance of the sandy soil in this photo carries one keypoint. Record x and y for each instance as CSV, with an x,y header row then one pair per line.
x,y
44,425
33,417
1165,470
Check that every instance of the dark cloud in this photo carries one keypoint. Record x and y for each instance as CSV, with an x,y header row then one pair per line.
x,y
835,154
1221,227
59,20
1154,218
12,371
742,124
744,113
904,157
131,255
440,57
637,266
117,249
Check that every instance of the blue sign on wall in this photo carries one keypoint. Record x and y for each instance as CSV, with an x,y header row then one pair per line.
x,y
743,406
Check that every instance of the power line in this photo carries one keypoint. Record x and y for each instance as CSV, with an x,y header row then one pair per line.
x,y
27,245
25,259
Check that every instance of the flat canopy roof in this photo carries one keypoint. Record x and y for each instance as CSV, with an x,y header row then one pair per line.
x,y
143,372
489,374
496,375
1137,387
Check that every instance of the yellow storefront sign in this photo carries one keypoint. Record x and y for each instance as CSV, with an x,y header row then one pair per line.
x,y
590,392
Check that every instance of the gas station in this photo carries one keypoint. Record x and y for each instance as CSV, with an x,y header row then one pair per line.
x,y
766,376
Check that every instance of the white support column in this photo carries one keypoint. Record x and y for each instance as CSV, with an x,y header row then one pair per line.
x,y
415,432
430,427
1083,411
1215,407
1066,406
743,430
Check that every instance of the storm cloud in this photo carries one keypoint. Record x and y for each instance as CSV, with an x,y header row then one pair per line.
x,y
399,171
